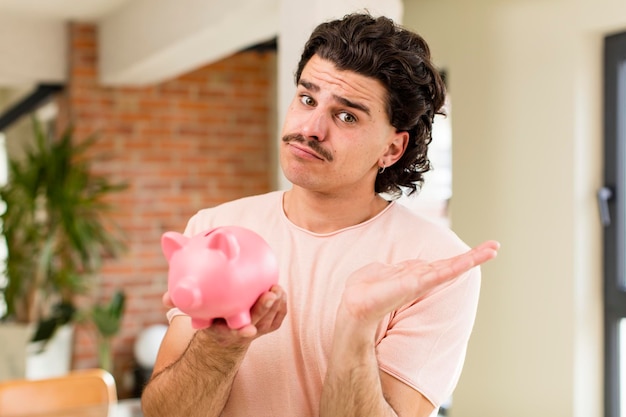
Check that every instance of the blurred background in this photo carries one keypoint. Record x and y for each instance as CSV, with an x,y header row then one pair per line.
x,y
187,97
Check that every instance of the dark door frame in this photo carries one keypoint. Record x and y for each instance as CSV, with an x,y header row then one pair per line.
x,y
612,204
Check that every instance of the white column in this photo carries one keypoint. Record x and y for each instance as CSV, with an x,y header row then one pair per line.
x,y
298,18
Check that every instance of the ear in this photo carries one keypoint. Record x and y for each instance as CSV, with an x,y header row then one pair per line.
x,y
395,148
225,242
171,242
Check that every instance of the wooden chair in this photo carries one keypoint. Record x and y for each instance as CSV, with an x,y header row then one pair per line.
x,y
77,388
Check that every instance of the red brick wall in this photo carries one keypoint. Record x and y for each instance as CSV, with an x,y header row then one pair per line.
x,y
192,142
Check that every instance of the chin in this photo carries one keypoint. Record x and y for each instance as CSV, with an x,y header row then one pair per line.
x,y
301,179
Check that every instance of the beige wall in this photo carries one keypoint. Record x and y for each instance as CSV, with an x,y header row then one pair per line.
x,y
526,86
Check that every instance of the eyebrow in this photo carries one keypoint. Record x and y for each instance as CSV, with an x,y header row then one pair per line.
x,y
348,103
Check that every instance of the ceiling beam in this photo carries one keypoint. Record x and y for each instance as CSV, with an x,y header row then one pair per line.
x,y
32,49
150,41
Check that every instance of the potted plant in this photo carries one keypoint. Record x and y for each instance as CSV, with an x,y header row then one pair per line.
x,y
106,321
56,230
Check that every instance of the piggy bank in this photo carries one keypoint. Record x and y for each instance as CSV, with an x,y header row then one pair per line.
x,y
219,273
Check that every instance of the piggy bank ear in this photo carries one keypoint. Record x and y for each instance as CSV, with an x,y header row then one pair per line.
x,y
225,242
171,242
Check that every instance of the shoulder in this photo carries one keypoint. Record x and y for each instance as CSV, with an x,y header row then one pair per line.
x,y
431,239
244,212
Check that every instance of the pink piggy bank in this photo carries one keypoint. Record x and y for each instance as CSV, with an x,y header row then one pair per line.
x,y
219,273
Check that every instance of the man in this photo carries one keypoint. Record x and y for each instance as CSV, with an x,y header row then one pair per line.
x,y
374,306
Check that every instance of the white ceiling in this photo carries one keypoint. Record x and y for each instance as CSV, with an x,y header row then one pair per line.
x,y
81,10
140,42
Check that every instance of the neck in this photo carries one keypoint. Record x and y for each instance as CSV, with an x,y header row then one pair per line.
x,y
326,213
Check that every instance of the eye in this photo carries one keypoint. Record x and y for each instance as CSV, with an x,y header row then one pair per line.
x,y
347,117
307,100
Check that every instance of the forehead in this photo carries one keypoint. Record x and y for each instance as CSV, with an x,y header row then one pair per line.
x,y
344,83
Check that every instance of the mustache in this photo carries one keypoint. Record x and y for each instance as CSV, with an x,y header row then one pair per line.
x,y
313,144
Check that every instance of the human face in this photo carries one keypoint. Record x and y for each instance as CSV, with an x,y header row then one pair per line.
x,y
336,132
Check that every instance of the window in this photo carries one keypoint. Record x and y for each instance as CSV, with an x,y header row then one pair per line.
x,y
433,198
3,246
613,209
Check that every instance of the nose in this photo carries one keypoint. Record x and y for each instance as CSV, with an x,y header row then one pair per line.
x,y
315,125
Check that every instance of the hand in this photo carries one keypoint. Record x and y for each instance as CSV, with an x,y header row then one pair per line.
x,y
266,315
377,289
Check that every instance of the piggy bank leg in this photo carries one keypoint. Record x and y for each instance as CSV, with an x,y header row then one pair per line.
x,y
200,324
239,320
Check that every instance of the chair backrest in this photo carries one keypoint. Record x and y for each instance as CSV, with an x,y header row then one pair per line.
x,y
77,388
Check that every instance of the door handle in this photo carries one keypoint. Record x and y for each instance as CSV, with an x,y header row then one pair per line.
x,y
605,194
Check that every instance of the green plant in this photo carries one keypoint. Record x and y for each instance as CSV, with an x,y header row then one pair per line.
x,y
106,320
55,228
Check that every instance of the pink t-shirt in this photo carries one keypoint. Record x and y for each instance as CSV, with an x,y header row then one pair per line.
x,y
422,344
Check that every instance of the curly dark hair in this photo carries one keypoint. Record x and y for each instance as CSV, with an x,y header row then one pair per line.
x,y
400,60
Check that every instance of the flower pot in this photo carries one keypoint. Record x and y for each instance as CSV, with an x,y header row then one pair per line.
x,y
20,358
46,359
14,339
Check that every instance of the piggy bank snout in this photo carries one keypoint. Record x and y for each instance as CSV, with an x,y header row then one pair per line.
x,y
186,296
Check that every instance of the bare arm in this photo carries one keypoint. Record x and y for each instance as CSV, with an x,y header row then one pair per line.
x,y
199,382
354,385
195,370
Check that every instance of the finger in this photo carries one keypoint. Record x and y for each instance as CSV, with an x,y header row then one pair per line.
x,y
167,301
281,314
482,253
274,318
223,332
247,331
455,266
489,244
265,303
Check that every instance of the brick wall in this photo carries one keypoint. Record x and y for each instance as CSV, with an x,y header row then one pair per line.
x,y
191,142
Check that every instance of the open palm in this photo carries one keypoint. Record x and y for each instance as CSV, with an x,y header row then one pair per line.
x,y
378,288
